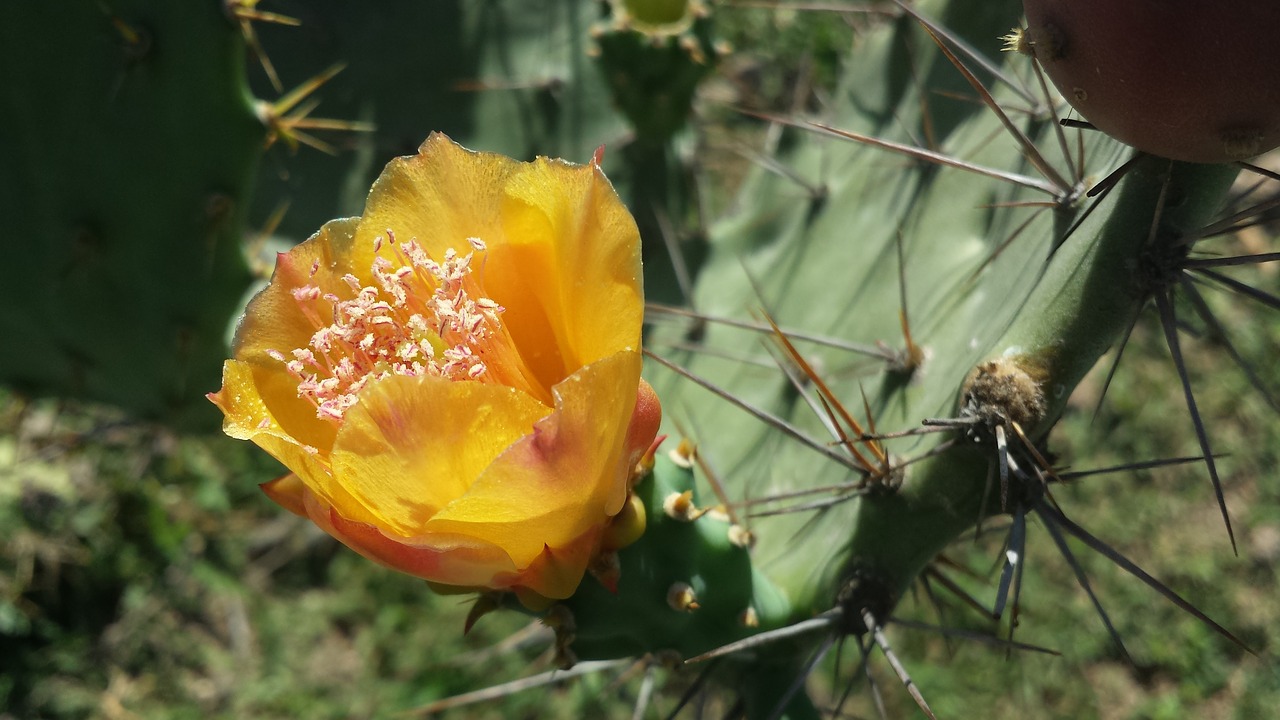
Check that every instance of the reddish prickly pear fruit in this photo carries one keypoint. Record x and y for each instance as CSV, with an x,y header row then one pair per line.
x,y
1194,80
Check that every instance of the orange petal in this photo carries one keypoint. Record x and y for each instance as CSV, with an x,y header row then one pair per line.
x,y
452,560
565,479
554,574
288,492
414,444
646,419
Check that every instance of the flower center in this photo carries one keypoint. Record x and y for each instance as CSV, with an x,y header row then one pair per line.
x,y
419,318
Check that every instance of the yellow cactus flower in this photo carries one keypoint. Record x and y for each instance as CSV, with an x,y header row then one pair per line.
x,y
453,378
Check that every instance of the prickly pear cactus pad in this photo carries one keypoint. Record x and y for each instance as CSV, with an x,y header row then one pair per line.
x,y
897,310
833,248
129,146
685,587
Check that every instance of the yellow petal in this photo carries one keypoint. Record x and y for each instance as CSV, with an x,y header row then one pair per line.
x,y
563,252
249,418
576,250
259,396
414,444
273,321
561,483
440,197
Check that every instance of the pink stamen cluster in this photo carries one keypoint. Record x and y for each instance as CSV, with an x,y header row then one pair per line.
x,y
422,318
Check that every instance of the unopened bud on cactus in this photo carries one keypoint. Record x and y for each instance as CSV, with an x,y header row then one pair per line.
x,y
658,17
653,53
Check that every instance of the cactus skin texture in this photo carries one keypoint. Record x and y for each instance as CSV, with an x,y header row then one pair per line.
x,y
824,259
129,147
685,586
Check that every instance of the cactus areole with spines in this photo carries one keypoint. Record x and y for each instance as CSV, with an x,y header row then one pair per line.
x,y
1193,80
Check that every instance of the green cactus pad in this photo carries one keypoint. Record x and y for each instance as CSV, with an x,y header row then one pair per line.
x,y
129,149
705,554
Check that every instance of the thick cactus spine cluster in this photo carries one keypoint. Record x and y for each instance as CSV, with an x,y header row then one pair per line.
x,y
1089,295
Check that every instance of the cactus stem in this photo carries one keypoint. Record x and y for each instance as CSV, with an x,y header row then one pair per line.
x,y
824,621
